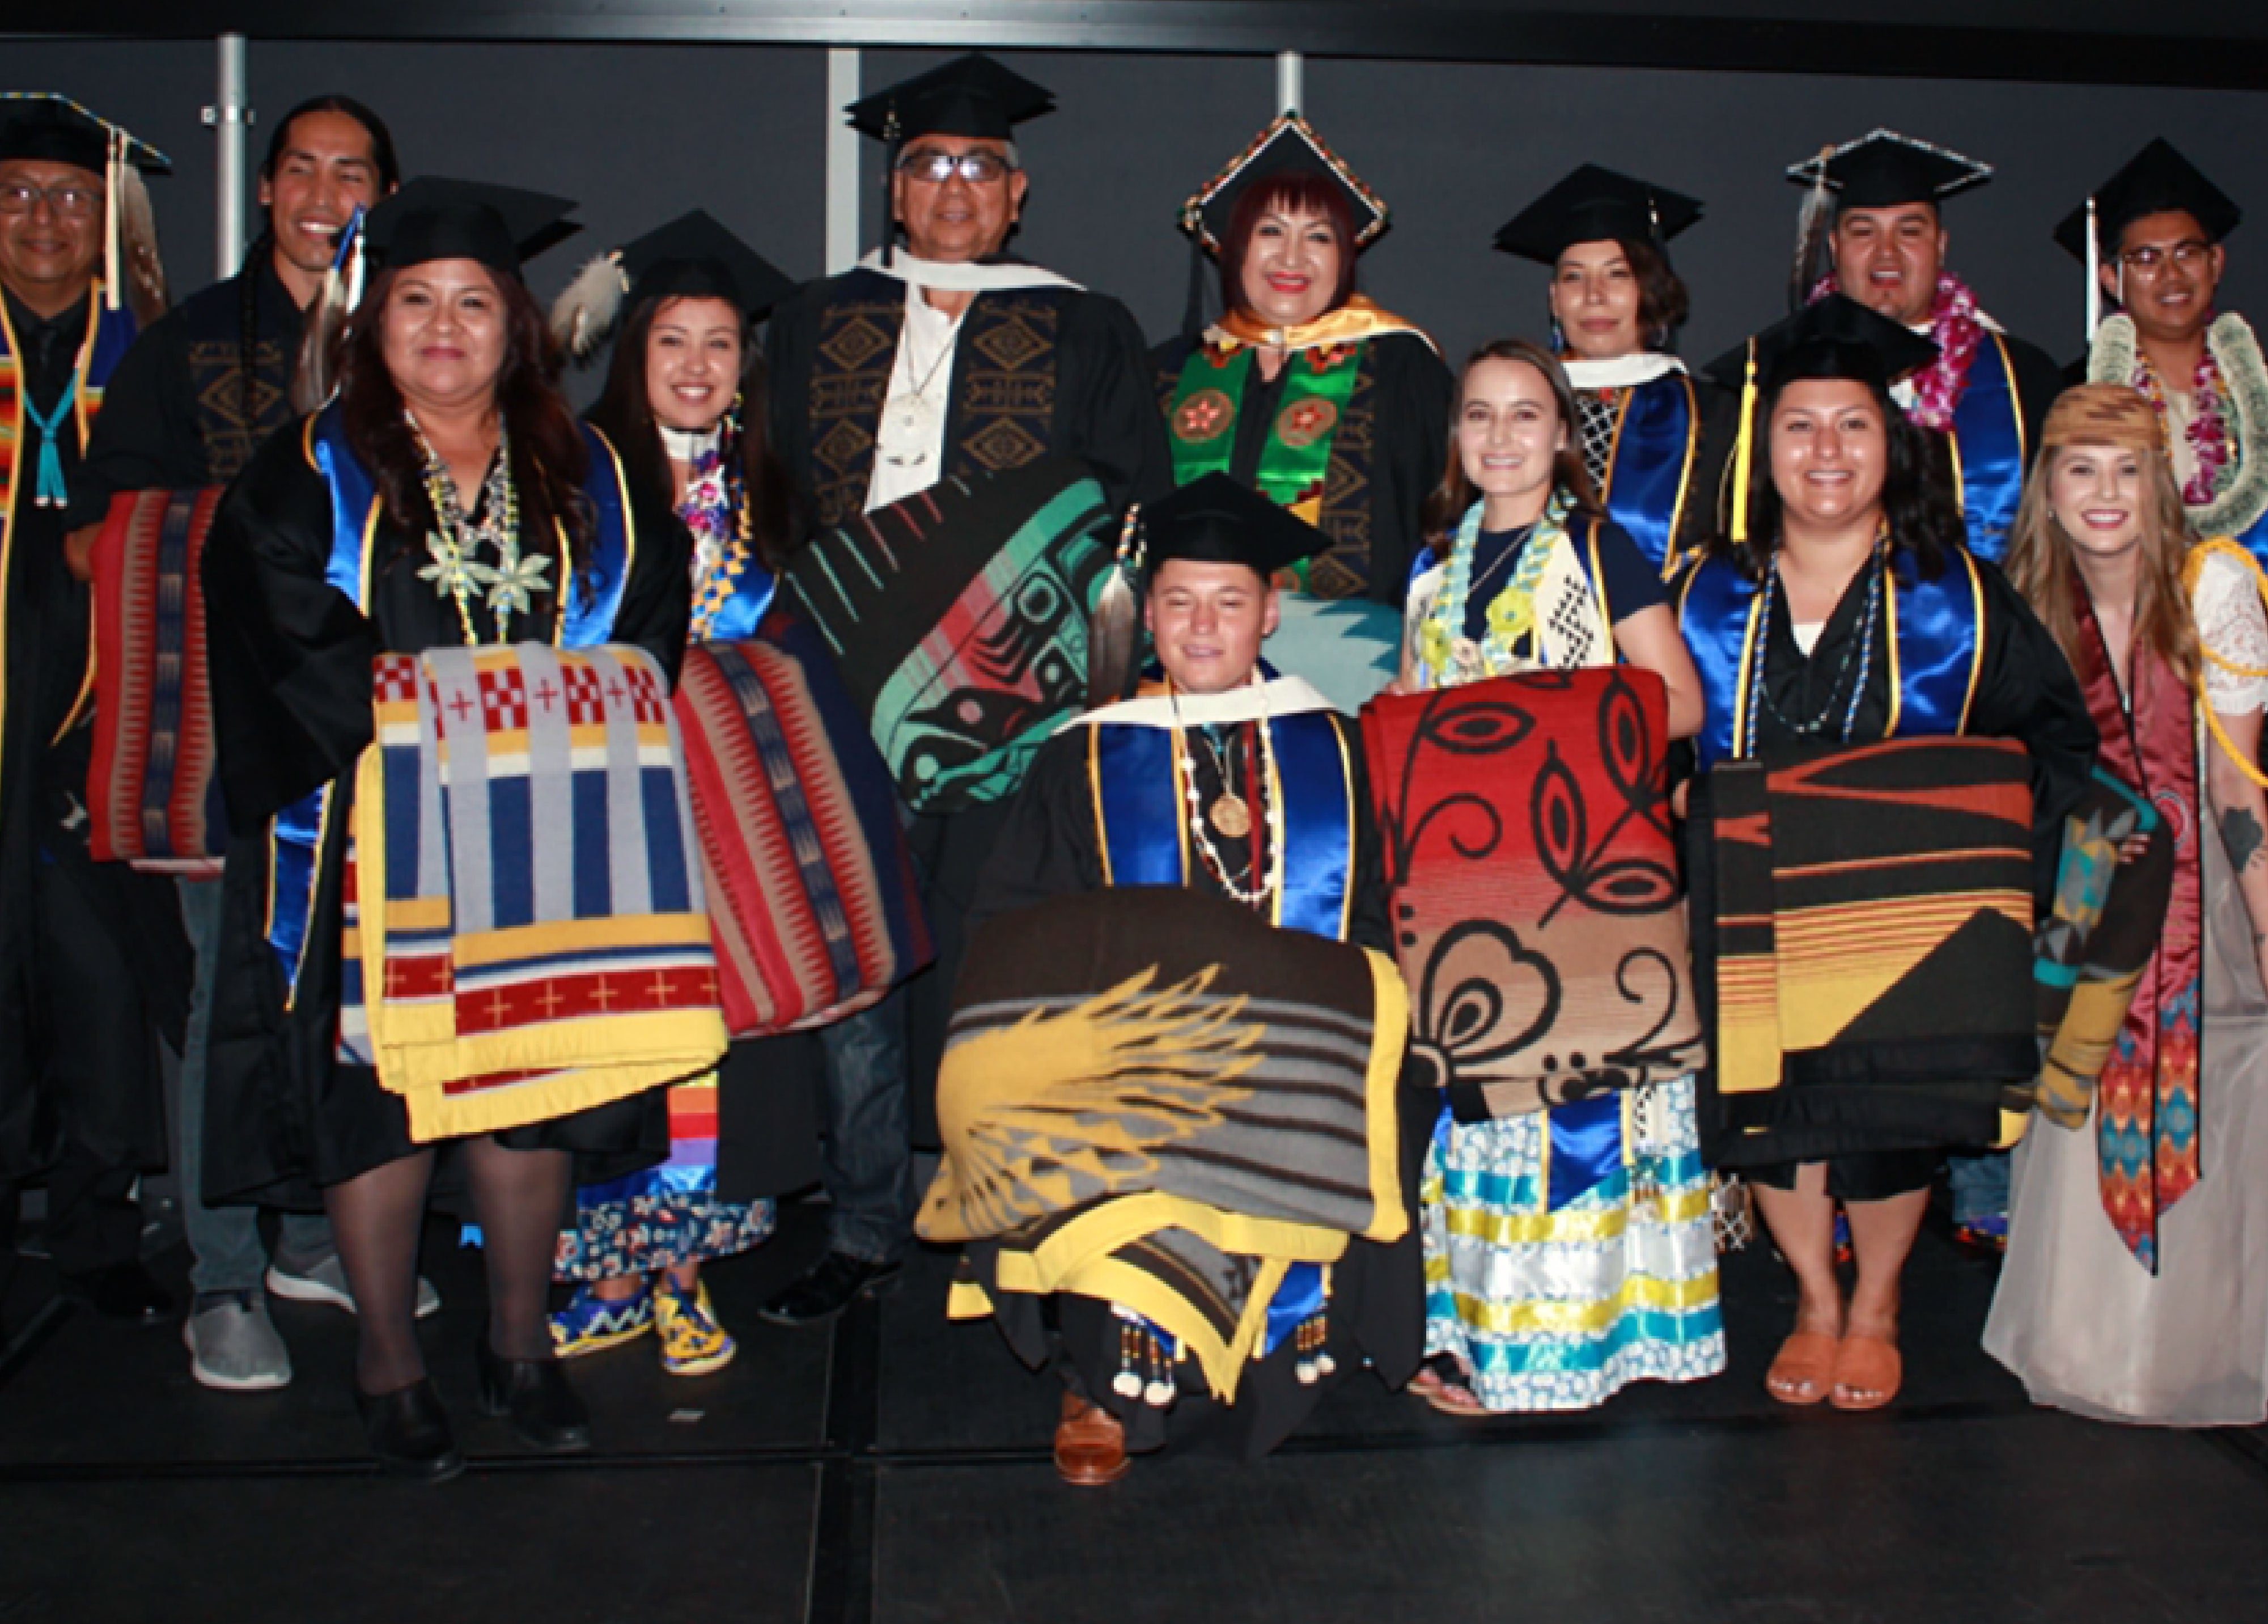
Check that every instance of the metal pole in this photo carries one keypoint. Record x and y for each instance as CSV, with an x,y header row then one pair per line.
x,y
228,118
843,188
1291,82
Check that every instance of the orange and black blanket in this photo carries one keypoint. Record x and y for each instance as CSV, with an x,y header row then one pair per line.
x,y
1863,945
152,793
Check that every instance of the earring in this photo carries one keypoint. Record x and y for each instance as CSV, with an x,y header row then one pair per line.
x,y
1558,338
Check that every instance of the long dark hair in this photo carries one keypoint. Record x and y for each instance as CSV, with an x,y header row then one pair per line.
x,y
1917,501
547,458
625,414
1297,192
1454,495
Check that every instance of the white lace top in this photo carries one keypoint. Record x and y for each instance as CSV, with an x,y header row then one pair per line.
x,y
2232,624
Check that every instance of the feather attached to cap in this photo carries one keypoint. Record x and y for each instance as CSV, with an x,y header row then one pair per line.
x,y
586,312
1811,237
1116,627
141,266
315,370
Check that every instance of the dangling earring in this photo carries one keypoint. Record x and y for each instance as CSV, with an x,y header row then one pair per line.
x,y
1558,338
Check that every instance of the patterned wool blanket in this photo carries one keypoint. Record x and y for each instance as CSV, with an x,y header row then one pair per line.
x,y
2091,949
1528,847
1869,926
525,930
153,794
958,617
1153,1097
811,887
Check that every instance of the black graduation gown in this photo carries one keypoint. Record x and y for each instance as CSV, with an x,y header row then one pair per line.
x,y
2026,691
1720,411
291,661
1050,846
1398,453
1102,409
94,964
173,416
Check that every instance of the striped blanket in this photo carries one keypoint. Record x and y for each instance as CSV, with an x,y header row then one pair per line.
x,y
811,887
1153,1097
152,795
958,617
1868,932
525,930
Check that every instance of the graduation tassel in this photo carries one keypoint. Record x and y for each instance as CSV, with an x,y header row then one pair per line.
x,y
2094,276
1193,312
1744,456
112,181
891,143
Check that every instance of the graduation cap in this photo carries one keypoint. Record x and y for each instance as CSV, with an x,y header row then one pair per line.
x,y
1289,146
1835,337
691,257
971,95
434,217
1883,169
44,127
1596,205
2158,179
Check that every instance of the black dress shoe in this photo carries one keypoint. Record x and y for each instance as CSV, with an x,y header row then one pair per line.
x,y
123,1292
536,1398
409,1432
830,1285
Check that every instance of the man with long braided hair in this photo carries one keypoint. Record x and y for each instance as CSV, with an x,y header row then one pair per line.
x,y
197,394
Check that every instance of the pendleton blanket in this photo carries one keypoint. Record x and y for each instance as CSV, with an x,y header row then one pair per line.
x,y
958,619
811,887
1869,934
152,796
2090,951
525,930
1153,1097
1528,846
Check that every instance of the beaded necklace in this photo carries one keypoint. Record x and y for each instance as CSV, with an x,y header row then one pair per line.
x,y
715,509
1862,650
1511,614
454,544
1271,813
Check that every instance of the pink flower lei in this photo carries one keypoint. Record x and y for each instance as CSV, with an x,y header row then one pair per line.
x,y
1955,329
2208,431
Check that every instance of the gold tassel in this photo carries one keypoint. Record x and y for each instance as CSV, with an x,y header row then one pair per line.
x,y
2094,276
1744,458
112,183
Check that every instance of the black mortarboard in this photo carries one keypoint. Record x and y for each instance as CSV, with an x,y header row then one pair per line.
x,y
971,95
1596,205
1215,519
1836,337
435,218
1288,146
2155,180
694,257
41,126
1883,169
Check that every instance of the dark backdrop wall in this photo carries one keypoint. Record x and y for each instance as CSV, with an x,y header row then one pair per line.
x,y
643,132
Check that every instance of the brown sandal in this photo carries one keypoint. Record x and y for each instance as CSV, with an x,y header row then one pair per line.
x,y
1870,1370
1446,1392
1805,1368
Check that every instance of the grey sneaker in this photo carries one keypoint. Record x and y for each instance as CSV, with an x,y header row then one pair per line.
x,y
326,1283
232,1343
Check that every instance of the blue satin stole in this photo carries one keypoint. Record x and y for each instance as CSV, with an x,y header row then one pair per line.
x,y
1650,468
1139,778
1936,642
594,584
1988,449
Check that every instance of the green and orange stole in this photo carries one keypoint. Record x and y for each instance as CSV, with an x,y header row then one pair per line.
x,y
811,886
1153,1097
2146,1123
153,788
1532,870
1863,920
958,619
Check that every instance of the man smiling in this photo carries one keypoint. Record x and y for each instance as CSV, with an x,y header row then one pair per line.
x,y
1987,391
2160,228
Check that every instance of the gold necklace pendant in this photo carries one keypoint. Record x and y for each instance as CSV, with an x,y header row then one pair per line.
x,y
1231,817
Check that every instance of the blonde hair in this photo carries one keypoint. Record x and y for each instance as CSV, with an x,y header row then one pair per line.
x,y
2039,561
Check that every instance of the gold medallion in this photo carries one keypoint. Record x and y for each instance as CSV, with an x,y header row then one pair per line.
x,y
1231,817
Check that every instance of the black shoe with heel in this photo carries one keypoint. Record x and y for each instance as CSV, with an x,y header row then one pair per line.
x,y
536,1400
409,1432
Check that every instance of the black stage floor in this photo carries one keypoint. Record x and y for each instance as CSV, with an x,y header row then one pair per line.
x,y
895,1469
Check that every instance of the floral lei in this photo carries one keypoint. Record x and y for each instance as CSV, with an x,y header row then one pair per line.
x,y
1955,329
2208,431
1442,644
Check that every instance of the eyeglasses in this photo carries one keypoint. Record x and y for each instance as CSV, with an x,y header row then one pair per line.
x,y
979,168
2188,257
67,201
